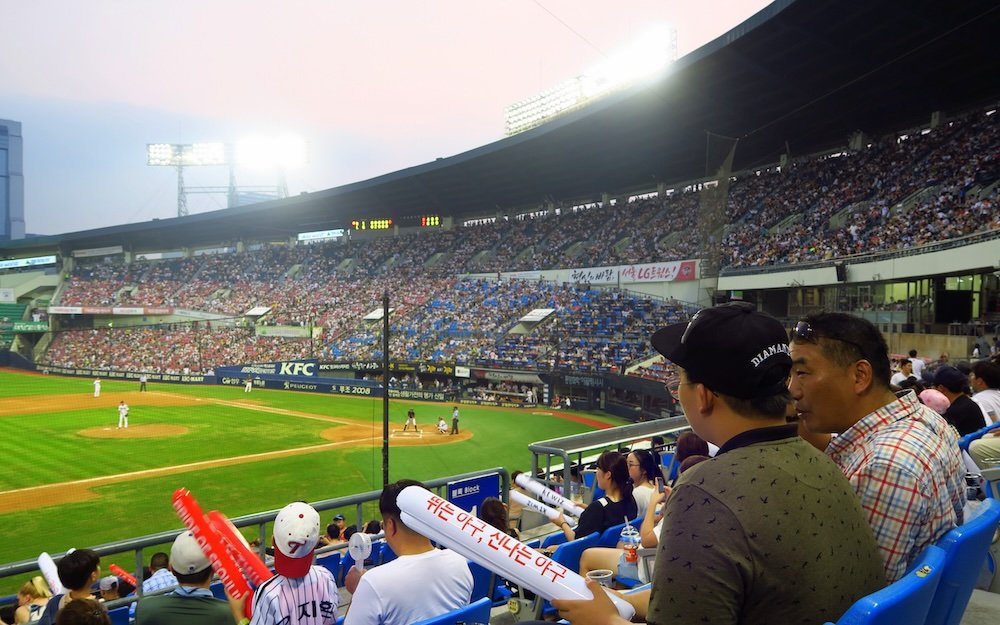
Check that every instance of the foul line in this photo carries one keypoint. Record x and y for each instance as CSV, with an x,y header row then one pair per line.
x,y
181,468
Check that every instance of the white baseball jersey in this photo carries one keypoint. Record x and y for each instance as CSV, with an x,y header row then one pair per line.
x,y
122,410
309,600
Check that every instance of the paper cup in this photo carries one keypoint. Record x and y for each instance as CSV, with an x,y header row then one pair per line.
x,y
601,576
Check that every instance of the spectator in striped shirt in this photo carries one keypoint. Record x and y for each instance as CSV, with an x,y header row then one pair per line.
x,y
901,457
301,592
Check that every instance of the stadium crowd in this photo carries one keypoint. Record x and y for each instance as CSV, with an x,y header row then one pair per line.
x,y
914,189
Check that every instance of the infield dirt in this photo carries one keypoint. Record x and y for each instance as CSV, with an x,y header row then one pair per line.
x,y
347,433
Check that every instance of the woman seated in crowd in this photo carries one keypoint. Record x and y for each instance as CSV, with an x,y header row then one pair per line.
x,y
691,449
642,471
494,512
613,508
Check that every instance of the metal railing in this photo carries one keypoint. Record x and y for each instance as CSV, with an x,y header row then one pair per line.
x,y
260,520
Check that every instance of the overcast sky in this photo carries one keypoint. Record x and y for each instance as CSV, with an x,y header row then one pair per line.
x,y
373,86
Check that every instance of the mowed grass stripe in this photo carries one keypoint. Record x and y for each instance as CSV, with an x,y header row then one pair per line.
x,y
61,454
49,444
18,384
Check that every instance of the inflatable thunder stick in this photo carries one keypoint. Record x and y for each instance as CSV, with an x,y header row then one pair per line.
x,y
551,513
211,544
548,495
125,575
48,568
437,519
255,571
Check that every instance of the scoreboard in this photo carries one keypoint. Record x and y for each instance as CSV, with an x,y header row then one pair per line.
x,y
385,223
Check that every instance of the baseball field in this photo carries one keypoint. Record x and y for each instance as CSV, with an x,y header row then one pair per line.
x,y
71,478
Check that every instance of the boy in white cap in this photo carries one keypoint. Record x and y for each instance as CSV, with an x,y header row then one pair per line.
x,y
300,593
191,602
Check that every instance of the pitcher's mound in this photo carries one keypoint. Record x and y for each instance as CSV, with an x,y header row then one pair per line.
x,y
152,430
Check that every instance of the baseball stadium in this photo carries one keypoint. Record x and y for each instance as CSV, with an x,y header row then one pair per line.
x,y
821,156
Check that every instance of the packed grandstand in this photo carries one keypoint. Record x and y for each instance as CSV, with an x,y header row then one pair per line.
x,y
533,297
902,192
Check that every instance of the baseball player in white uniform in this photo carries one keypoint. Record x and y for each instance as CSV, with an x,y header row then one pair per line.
x,y
122,415
300,593
97,387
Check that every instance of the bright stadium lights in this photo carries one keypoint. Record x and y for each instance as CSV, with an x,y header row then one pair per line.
x,y
186,155
280,152
645,58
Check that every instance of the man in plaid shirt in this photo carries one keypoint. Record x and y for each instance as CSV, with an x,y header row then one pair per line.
x,y
901,457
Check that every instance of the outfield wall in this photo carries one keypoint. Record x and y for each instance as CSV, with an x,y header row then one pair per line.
x,y
336,386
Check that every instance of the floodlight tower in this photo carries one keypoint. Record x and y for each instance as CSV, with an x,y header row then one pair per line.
x,y
181,155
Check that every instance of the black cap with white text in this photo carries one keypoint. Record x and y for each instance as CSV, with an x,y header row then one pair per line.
x,y
732,349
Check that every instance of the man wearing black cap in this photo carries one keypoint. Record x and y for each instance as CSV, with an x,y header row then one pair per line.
x,y
963,413
768,530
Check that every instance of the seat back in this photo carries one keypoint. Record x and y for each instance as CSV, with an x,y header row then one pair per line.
x,y
568,554
966,547
346,562
482,581
476,612
553,539
331,562
610,536
119,616
905,601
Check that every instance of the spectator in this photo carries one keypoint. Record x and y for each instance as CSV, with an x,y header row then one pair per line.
x,y
642,472
905,372
901,458
985,381
963,413
108,587
83,612
386,595
78,572
613,508
192,601
32,597
721,515
494,512
300,592
160,578
917,364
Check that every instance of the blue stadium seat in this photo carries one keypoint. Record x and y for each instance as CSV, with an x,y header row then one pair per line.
x,y
568,555
331,562
966,440
905,601
966,548
477,612
119,616
553,539
610,536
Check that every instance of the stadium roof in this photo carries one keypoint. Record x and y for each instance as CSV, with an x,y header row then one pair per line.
x,y
806,73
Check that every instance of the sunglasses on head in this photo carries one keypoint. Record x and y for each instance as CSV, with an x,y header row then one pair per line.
x,y
805,332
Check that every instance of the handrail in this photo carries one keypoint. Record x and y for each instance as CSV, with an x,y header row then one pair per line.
x,y
260,519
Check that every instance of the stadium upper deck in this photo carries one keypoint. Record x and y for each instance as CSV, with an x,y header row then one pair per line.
x,y
800,74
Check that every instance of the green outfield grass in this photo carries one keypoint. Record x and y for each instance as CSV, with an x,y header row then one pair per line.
x,y
46,448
